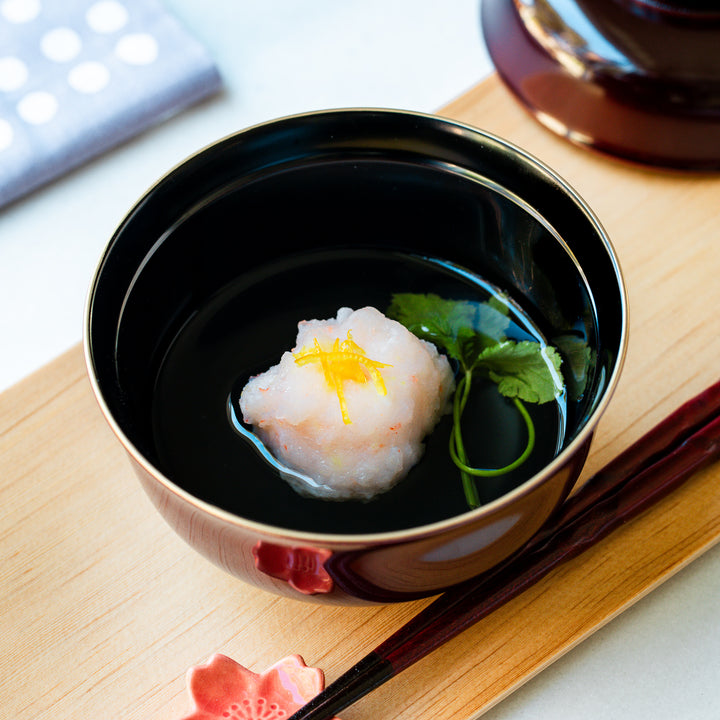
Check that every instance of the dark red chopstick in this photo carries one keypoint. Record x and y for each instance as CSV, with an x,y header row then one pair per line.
x,y
690,417
651,468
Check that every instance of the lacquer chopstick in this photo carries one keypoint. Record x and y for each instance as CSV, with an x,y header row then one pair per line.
x,y
651,468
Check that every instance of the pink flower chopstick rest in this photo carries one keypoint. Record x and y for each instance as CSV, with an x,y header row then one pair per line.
x,y
222,689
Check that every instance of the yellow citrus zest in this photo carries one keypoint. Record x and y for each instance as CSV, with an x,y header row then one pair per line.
x,y
346,360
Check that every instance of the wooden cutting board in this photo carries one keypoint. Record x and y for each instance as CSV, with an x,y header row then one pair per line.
x,y
104,608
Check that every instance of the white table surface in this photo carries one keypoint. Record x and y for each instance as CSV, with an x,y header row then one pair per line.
x,y
660,659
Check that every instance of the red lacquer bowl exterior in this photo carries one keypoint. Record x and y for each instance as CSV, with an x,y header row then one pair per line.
x,y
375,569
517,191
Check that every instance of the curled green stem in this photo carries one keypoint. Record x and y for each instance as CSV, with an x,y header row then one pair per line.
x,y
457,447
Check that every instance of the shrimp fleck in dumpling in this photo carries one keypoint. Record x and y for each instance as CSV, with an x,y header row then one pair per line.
x,y
350,405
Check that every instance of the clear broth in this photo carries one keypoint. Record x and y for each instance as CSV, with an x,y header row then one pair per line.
x,y
244,329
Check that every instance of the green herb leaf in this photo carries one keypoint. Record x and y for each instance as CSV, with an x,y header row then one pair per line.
x,y
474,334
494,319
461,328
525,370
447,323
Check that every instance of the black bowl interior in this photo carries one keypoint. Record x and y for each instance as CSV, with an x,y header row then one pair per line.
x,y
261,209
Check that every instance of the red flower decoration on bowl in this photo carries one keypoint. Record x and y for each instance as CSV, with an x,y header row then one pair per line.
x,y
302,568
225,690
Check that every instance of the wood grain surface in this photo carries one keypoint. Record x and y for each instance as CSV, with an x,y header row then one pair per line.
x,y
103,608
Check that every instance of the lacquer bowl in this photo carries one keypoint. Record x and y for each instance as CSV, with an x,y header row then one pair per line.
x,y
290,220
634,79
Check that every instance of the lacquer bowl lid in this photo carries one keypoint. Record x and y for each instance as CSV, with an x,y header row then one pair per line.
x,y
636,79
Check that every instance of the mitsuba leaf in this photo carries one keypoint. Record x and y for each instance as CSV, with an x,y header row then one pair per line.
x,y
419,314
493,320
525,370
474,334
460,328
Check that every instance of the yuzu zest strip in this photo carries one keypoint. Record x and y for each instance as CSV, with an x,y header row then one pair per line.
x,y
345,361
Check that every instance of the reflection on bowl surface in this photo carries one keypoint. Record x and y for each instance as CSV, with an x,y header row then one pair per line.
x,y
637,79
205,281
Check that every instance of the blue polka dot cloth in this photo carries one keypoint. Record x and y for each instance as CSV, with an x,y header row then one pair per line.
x,y
78,77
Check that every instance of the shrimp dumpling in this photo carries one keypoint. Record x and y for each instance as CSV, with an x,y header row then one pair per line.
x,y
350,405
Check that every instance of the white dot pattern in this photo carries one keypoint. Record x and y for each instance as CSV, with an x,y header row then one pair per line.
x,y
89,77
77,76
20,11
106,16
61,44
38,108
137,49
13,74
